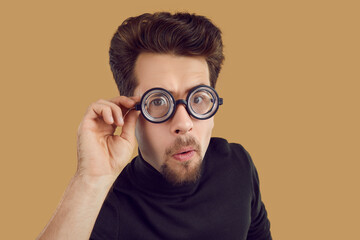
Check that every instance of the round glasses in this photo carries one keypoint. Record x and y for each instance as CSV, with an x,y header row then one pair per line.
x,y
157,105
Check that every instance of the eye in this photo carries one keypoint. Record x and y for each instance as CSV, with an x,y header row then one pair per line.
x,y
158,102
201,98
198,99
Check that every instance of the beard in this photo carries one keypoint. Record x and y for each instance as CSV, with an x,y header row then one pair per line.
x,y
177,172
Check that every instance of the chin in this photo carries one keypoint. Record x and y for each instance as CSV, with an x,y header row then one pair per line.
x,y
179,173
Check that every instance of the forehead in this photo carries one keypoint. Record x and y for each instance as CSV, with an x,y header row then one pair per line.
x,y
177,74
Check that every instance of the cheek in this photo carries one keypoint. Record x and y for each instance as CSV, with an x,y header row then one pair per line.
x,y
205,128
147,135
143,134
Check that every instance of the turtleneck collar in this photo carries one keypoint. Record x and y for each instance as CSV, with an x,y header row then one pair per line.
x,y
148,180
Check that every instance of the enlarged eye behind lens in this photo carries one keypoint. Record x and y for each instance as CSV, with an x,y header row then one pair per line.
x,y
202,102
158,102
157,106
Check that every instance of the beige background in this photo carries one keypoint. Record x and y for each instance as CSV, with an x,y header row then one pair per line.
x,y
290,84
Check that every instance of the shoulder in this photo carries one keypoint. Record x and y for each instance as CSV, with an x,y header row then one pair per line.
x,y
223,146
233,152
231,164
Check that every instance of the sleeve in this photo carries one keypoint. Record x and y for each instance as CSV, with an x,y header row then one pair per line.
x,y
260,224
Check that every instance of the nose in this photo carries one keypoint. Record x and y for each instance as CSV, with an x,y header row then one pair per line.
x,y
181,122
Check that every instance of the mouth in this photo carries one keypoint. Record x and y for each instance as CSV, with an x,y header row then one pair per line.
x,y
184,154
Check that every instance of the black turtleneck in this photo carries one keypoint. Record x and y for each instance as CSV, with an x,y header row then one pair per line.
x,y
225,202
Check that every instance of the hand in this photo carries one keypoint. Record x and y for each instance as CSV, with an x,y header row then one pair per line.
x,y
100,152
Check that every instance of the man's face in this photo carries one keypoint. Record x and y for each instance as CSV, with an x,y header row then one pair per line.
x,y
175,147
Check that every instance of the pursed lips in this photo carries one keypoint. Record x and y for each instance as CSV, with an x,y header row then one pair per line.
x,y
184,154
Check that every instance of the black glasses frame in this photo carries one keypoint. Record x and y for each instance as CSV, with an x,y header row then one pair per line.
x,y
173,104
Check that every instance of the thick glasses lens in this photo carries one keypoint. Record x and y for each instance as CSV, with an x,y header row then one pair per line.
x,y
201,102
157,105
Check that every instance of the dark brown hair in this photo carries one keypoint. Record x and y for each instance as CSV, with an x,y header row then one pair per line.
x,y
181,34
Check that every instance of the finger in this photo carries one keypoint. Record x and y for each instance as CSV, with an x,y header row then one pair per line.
x,y
127,102
103,111
136,98
117,112
128,130
111,111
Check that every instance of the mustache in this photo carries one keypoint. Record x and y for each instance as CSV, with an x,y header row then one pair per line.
x,y
181,142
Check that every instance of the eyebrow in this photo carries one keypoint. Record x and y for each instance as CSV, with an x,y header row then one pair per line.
x,y
187,91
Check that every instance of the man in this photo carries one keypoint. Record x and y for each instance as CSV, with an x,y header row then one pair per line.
x,y
184,184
